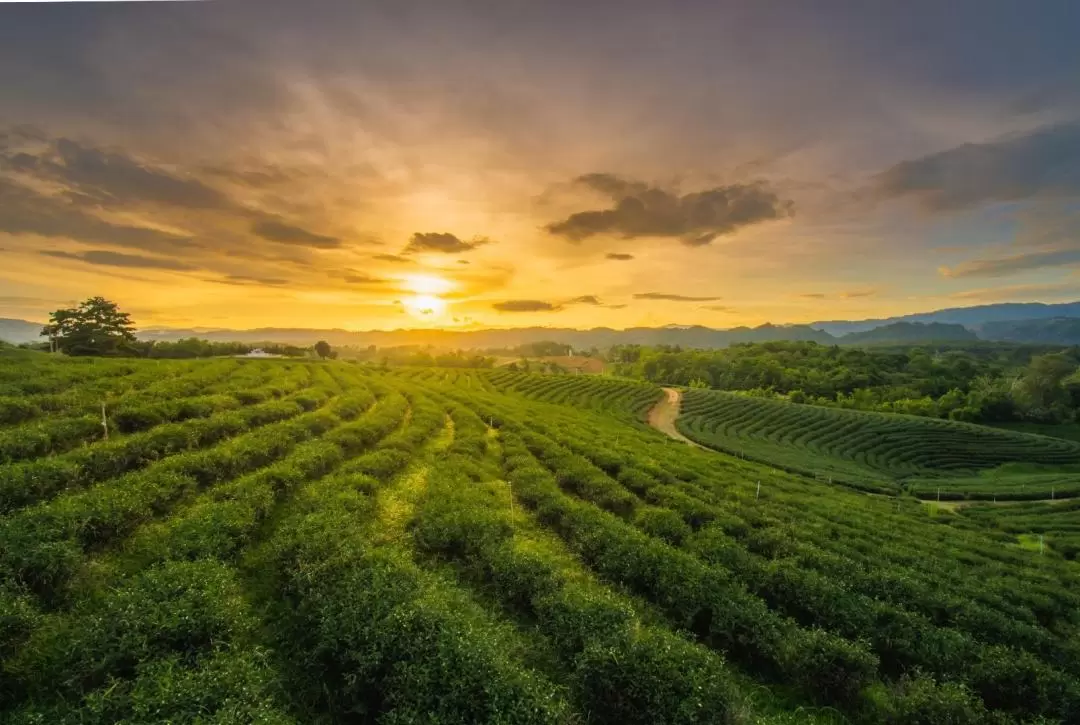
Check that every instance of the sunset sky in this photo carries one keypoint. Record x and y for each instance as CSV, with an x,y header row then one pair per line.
x,y
376,165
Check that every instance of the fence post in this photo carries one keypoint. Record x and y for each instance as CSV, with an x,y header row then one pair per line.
x,y
104,421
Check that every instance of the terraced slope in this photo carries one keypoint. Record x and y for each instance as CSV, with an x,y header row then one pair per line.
x,y
879,451
417,546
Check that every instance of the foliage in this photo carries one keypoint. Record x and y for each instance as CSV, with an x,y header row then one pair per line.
x,y
300,541
980,383
94,327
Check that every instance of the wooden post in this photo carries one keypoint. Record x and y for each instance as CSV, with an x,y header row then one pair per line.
x,y
758,494
510,485
104,421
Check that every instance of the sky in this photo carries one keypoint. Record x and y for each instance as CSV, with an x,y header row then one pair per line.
x,y
504,163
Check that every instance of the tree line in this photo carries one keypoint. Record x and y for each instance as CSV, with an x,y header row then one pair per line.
x,y
981,383
97,327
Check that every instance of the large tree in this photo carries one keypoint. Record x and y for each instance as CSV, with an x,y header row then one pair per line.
x,y
322,349
95,327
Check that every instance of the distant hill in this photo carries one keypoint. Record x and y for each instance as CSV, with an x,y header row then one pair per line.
x,y
689,336
1007,322
970,317
1054,331
910,332
20,331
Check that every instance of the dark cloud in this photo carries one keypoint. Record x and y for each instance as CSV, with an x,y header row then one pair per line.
x,y
262,177
112,177
241,279
846,295
585,300
24,211
116,259
718,308
1005,266
282,233
442,242
391,258
673,298
619,256
1043,163
525,306
463,261
353,277
696,218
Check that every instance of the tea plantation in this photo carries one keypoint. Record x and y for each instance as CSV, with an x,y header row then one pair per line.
x,y
272,541
885,451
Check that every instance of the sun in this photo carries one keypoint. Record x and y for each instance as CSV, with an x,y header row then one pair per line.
x,y
426,303
427,284
425,307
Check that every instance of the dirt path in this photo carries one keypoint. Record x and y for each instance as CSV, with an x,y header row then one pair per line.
x,y
663,415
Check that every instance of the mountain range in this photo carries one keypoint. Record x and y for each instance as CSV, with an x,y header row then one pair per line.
x,y
1007,322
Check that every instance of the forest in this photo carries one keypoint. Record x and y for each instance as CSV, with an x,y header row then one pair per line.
x,y
978,382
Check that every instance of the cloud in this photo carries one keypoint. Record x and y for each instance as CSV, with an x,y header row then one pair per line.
x,y
117,259
1005,266
109,177
618,256
24,211
718,308
353,277
845,295
443,242
1045,162
673,298
241,279
392,258
463,261
275,231
585,300
1012,293
695,219
525,306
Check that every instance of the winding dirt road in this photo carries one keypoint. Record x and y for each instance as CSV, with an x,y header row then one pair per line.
x,y
663,415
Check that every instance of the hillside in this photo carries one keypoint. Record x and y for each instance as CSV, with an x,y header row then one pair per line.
x,y
910,332
20,331
285,541
1017,322
1053,331
970,317
882,451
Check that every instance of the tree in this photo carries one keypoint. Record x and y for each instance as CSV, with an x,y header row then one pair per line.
x,y
322,349
95,327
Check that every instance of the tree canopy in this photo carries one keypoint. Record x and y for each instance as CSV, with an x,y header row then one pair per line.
x,y
94,327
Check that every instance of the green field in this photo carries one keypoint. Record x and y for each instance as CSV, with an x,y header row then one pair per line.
x,y
280,541
885,452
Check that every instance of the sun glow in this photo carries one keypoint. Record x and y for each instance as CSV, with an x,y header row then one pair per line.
x,y
427,284
425,307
